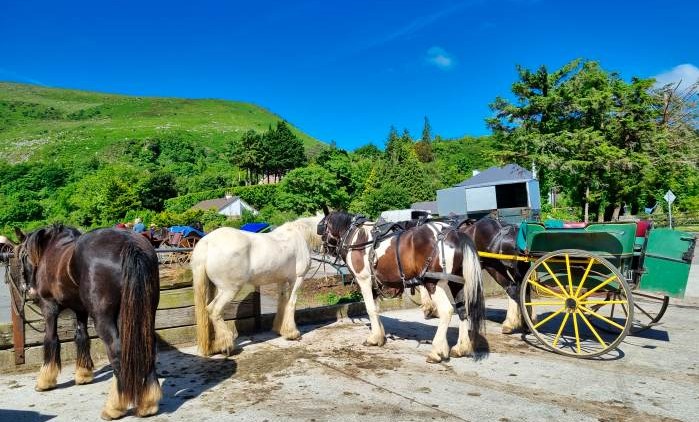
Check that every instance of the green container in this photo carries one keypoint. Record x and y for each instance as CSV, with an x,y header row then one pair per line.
x,y
666,262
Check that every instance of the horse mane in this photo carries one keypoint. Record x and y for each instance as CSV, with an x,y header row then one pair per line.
x,y
307,227
36,241
340,220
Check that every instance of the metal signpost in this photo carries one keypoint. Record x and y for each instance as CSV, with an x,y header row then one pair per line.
x,y
670,198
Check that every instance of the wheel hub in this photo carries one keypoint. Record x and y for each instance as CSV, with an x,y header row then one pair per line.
x,y
571,305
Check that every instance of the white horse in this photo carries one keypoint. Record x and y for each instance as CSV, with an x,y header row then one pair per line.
x,y
230,258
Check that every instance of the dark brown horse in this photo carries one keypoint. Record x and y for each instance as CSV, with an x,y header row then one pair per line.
x,y
112,276
499,237
431,255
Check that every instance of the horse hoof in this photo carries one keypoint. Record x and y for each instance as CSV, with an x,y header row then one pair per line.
x,y
455,354
379,343
432,359
109,416
506,329
83,376
148,411
296,335
42,389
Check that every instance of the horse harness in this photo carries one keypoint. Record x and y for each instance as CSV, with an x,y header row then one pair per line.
x,y
382,232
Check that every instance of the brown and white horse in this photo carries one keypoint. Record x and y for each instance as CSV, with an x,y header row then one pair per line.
x,y
406,255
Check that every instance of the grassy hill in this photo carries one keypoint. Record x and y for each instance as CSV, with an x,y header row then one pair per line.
x,y
68,125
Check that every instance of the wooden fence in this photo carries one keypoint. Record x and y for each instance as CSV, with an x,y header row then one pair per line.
x,y
21,342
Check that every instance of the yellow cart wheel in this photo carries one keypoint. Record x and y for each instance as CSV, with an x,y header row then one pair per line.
x,y
566,294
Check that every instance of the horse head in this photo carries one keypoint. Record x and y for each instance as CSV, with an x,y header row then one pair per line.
x,y
333,228
28,254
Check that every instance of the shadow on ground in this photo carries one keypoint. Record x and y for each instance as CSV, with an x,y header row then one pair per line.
x,y
424,333
102,374
188,376
23,415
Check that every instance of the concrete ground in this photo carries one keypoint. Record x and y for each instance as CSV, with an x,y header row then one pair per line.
x,y
4,297
329,375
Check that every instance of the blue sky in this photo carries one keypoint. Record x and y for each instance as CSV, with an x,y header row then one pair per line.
x,y
340,70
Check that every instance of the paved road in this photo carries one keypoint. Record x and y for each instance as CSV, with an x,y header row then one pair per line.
x,y
329,375
4,298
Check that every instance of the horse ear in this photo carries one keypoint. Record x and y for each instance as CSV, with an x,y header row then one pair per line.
x,y
326,211
20,235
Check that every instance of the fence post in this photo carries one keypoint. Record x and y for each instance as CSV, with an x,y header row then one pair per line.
x,y
17,329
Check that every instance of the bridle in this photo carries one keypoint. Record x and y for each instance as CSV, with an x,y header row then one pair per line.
x,y
337,245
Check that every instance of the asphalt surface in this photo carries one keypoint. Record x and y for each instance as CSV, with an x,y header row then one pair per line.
x,y
4,297
329,375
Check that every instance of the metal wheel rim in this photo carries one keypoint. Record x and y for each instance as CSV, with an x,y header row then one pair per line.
x,y
571,300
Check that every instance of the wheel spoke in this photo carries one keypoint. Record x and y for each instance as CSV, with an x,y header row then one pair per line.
x,y
560,330
560,286
584,277
599,286
577,335
543,303
647,296
602,302
607,320
570,277
582,316
546,289
643,310
548,318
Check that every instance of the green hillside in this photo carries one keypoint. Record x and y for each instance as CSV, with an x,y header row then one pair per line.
x,y
49,123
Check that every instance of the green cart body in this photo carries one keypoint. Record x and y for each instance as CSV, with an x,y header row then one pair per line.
x,y
587,287
658,262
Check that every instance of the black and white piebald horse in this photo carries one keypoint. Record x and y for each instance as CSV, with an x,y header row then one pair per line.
x,y
433,255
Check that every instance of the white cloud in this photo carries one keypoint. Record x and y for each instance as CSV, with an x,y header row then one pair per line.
x,y
437,56
686,73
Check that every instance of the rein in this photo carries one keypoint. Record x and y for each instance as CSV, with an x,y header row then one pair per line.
x,y
18,308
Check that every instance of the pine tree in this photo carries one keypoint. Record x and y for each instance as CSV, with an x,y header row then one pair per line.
x,y
424,147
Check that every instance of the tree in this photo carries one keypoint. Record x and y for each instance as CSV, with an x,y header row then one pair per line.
x,y
393,142
155,189
290,150
307,189
586,129
368,151
247,153
424,147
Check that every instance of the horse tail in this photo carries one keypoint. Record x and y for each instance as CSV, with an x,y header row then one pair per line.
x,y
202,287
474,297
139,299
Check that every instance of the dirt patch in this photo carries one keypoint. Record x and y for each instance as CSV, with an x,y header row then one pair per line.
x,y
315,292
350,356
258,366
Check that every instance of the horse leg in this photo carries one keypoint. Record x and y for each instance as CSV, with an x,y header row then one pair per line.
x,y
513,321
48,373
289,330
377,336
84,365
426,303
282,299
445,308
224,337
115,406
148,404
